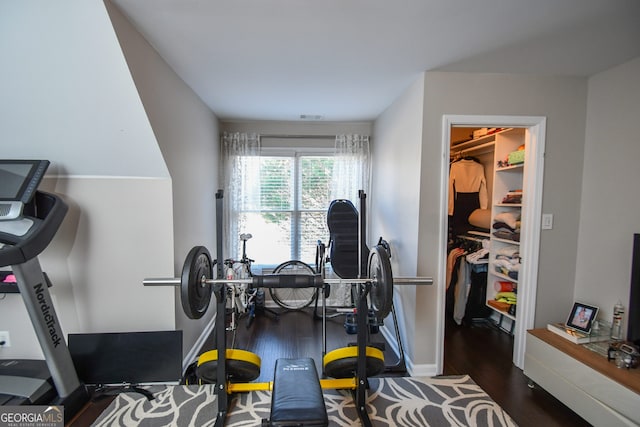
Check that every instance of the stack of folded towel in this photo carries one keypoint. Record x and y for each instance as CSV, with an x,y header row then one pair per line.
x,y
507,261
506,225
513,197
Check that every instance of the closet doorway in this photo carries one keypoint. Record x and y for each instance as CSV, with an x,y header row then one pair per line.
x,y
492,172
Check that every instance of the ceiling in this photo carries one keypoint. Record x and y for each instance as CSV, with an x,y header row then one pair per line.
x,y
348,60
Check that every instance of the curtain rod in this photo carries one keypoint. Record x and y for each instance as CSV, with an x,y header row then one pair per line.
x,y
274,136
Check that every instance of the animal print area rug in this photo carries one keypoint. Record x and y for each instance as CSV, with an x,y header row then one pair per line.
x,y
406,401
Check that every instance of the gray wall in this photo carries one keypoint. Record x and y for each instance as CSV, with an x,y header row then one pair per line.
x,y
563,102
610,203
124,134
394,207
143,139
67,96
187,134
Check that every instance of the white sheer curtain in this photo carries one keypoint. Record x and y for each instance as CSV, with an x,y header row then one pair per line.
x,y
350,167
350,174
241,185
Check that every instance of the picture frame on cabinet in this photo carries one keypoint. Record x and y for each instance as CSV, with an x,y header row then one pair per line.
x,y
581,317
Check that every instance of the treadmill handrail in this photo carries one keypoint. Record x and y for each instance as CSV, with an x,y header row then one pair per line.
x,y
50,211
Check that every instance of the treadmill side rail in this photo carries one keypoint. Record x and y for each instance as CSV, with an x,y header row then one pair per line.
x,y
39,305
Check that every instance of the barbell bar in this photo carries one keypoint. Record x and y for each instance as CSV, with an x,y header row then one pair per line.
x,y
197,278
177,282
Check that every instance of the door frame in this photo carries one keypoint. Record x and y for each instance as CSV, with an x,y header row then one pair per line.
x,y
531,224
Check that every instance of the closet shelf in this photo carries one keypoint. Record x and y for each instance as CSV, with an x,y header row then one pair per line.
x,y
479,233
504,313
508,205
510,168
511,242
474,143
503,276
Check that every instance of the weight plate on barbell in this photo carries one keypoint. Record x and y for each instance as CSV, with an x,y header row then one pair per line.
x,y
382,281
242,365
343,362
196,295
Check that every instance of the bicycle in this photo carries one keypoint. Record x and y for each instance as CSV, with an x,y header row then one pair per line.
x,y
243,299
293,298
298,298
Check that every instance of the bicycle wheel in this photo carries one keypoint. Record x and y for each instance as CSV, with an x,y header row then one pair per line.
x,y
293,298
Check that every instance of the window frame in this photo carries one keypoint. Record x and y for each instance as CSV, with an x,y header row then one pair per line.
x,y
296,153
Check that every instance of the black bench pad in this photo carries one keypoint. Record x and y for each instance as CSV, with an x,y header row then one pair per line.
x,y
297,398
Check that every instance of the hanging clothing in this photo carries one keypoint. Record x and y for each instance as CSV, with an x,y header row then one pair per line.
x,y
452,259
461,291
470,290
467,176
465,204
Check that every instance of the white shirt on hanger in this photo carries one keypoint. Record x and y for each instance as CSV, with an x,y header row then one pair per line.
x,y
467,176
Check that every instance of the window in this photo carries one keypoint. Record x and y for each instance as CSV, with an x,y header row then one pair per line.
x,y
295,191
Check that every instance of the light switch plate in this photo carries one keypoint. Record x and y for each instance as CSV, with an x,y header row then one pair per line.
x,y
547,221
4,338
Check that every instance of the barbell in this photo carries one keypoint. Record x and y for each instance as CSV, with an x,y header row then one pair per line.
x,y
197,278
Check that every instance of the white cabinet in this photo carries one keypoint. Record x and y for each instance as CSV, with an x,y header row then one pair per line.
x,y
585,381
506,206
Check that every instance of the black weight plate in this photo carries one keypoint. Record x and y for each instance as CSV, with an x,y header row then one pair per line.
x,y
242,366
382,282
195,295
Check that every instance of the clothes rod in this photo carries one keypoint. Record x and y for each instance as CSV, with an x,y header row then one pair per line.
x,y
480,147
474,239
276,136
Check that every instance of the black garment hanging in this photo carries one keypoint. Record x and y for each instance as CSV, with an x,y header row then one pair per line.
x,y
465,203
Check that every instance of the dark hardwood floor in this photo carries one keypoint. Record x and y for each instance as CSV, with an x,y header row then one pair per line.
x,y
294,334
485,353
479,350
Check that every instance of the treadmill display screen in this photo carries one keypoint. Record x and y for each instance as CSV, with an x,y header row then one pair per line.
x,y
19,179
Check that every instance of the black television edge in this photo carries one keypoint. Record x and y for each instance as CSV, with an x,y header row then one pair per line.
x,y
633,329
127,357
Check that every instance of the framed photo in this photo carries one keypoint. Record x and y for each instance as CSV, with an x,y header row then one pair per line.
x,y
581,317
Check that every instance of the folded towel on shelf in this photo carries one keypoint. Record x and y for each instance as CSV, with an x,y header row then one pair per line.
x,y
516,157
513,197
507,267
509,251
507,235
509,218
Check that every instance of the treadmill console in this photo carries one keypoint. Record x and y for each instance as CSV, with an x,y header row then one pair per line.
x,y
28,218
19,180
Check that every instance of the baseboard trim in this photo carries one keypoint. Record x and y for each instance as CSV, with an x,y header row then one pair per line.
x,y
391,339
422,370
194,352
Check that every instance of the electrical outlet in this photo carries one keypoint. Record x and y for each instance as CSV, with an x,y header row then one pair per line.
x,y
4,339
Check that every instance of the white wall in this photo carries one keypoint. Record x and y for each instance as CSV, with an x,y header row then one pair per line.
x,y
188,136
67,96
395,196
610,203
562,100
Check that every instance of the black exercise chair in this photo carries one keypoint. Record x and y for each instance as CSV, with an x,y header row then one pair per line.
x,y
344,237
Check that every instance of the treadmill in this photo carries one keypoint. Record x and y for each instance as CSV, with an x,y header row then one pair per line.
x,y
29,219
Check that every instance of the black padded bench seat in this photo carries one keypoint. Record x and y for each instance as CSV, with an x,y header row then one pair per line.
x,y
297,398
